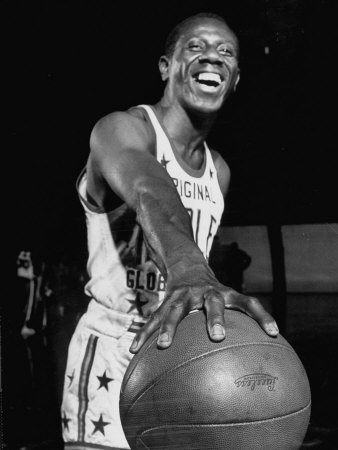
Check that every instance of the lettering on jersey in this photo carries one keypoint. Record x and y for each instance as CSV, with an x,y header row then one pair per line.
x,y
193,190
150,281
212,232
195,216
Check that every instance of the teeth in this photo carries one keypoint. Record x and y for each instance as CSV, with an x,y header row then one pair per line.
x,y
207,76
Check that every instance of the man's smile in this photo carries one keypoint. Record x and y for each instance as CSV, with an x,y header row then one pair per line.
x,y
209,82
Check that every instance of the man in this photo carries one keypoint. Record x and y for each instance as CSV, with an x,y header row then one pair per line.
x,y
153,196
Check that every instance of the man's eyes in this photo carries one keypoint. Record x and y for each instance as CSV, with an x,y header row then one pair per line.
x,y
223,50
226,51
195,46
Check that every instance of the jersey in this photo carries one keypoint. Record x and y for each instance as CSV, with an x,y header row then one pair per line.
x,y
122,277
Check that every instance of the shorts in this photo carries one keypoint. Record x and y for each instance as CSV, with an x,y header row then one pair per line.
x,y
98,357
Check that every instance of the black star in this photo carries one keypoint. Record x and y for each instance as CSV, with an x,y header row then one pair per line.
x,y
104,380
164,162
211,174
132,305
65,421
99,425
71,377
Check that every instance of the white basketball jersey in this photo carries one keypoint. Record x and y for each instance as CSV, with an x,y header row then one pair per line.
x,y
122,276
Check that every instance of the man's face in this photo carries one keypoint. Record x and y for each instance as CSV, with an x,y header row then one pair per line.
x,y
204,67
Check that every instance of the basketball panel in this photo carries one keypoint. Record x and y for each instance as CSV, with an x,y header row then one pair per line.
x,y
241,384
191,340
285,433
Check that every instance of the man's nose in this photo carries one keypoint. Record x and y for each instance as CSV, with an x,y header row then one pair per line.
x,y
210,56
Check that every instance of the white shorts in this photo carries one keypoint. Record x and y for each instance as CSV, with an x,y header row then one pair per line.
x,y
96,364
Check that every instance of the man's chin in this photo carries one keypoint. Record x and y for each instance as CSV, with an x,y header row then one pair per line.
x,y
205,107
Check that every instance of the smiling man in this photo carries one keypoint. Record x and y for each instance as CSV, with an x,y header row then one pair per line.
x,y
153,194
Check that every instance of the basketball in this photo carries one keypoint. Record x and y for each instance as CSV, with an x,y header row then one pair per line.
x,y
248,392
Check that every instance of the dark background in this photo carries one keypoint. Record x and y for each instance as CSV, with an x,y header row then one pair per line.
x,y
68,63
71,62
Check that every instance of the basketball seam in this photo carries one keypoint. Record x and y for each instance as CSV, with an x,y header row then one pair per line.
x,y
135,361
158,380
208,425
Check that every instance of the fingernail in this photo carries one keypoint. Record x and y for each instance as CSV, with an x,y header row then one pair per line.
x,y
218,330
133,346
273,328
163,338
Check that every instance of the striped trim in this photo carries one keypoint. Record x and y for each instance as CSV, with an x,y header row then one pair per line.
x,y
135,326
86,368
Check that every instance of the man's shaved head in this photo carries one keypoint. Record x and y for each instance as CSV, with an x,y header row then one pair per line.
x,y
178,30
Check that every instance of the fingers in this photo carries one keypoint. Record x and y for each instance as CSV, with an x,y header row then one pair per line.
x,y
214,306
169,326
141,336
167,317
175,308
257,311
253,308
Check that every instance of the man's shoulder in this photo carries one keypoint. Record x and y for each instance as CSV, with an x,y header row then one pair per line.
x,y
223,170
117,120
129,126
219,162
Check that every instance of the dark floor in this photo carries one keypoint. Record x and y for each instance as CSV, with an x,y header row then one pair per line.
x,y
31,408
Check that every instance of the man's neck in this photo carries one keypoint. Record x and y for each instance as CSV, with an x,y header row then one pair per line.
x,y
188,132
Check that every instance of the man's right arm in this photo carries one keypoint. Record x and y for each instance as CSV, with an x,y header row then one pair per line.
x,y
122,158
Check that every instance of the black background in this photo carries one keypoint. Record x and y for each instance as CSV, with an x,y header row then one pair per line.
x,y
68,63
71,62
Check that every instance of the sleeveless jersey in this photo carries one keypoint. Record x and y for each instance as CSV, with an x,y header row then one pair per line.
x,y
122,277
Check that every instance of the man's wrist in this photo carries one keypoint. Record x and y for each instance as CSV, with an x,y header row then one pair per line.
x,y
188,266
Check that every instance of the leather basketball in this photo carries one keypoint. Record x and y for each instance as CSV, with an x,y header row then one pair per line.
x,y
248,392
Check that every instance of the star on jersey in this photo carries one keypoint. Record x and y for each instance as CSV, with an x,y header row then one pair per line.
x,y
132,305
164,162
99,425
104,380
71,378
65,421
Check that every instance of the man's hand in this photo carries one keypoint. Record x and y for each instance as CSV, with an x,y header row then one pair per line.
x,y
123,155
199,289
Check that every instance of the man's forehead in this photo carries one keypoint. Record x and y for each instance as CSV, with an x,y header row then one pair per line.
x,y
207,26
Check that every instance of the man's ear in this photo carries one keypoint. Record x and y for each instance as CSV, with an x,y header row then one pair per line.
x,y
237,79
163,65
